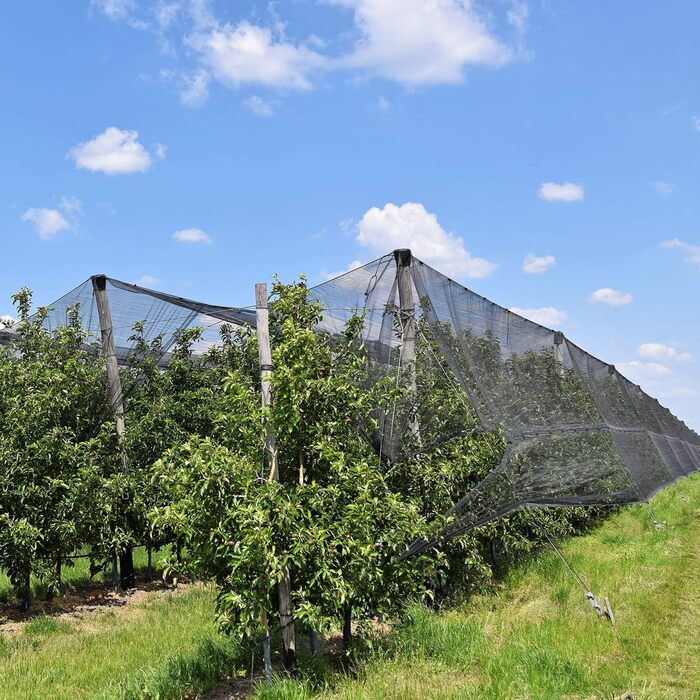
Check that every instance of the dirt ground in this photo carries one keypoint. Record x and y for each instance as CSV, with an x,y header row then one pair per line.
x,y
80,605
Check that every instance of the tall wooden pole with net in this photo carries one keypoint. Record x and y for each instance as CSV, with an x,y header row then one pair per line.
x,y
116,398
284,587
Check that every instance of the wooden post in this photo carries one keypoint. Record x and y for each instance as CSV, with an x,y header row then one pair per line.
x,y
407,317
262,318
284,587
559,349
314,643
109,352
116,397
267,656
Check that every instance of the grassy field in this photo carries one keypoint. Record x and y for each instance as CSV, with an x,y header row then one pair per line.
x,y
535,637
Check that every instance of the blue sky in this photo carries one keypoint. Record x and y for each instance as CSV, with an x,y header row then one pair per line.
x,y
201,146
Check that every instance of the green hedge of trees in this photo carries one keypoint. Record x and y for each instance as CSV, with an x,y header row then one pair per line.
x,y
337,519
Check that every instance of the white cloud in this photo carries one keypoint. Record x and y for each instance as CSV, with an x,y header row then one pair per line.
x,y
534,265
414,42
384,104
545,316
660,351
680,392
165,13
518,15
159,151
47,222
420,43
352,266
71,205
695,122
663,188
121,11
115,9
259,106
643,371
411,226
191,235
113,152
566,192
195,88
148,281
251,54
7,322
611,297
692,251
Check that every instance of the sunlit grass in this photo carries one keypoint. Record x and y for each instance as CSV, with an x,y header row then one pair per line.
x,y
160,648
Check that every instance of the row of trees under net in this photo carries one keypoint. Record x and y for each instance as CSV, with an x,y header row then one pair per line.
x,y
409,422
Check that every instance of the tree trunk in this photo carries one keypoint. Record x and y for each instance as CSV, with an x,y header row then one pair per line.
x,y
347,627
25,594
126,568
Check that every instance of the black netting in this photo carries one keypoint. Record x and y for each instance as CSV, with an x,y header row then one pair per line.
x,y
162,316
577,431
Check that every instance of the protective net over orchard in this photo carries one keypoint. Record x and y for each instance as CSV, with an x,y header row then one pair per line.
x,y
575,431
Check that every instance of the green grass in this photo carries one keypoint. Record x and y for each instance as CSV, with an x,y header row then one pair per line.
x,y
77,576
537,637
160,648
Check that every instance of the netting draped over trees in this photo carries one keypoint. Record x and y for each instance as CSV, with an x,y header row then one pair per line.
x,y
576,432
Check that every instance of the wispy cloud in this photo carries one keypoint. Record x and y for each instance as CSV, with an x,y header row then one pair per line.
x,y
192,235
352,266
548,316
663,187
536,265
639,371
259,106
611,297
148,281
661,351
692,251
194,88
564,192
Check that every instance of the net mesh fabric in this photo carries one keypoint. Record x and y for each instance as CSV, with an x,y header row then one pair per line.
x,y
577,431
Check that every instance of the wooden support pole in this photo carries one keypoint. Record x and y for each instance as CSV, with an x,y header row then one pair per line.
x,y
262,318
116,398
284,587
407,316
109,352
559,350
